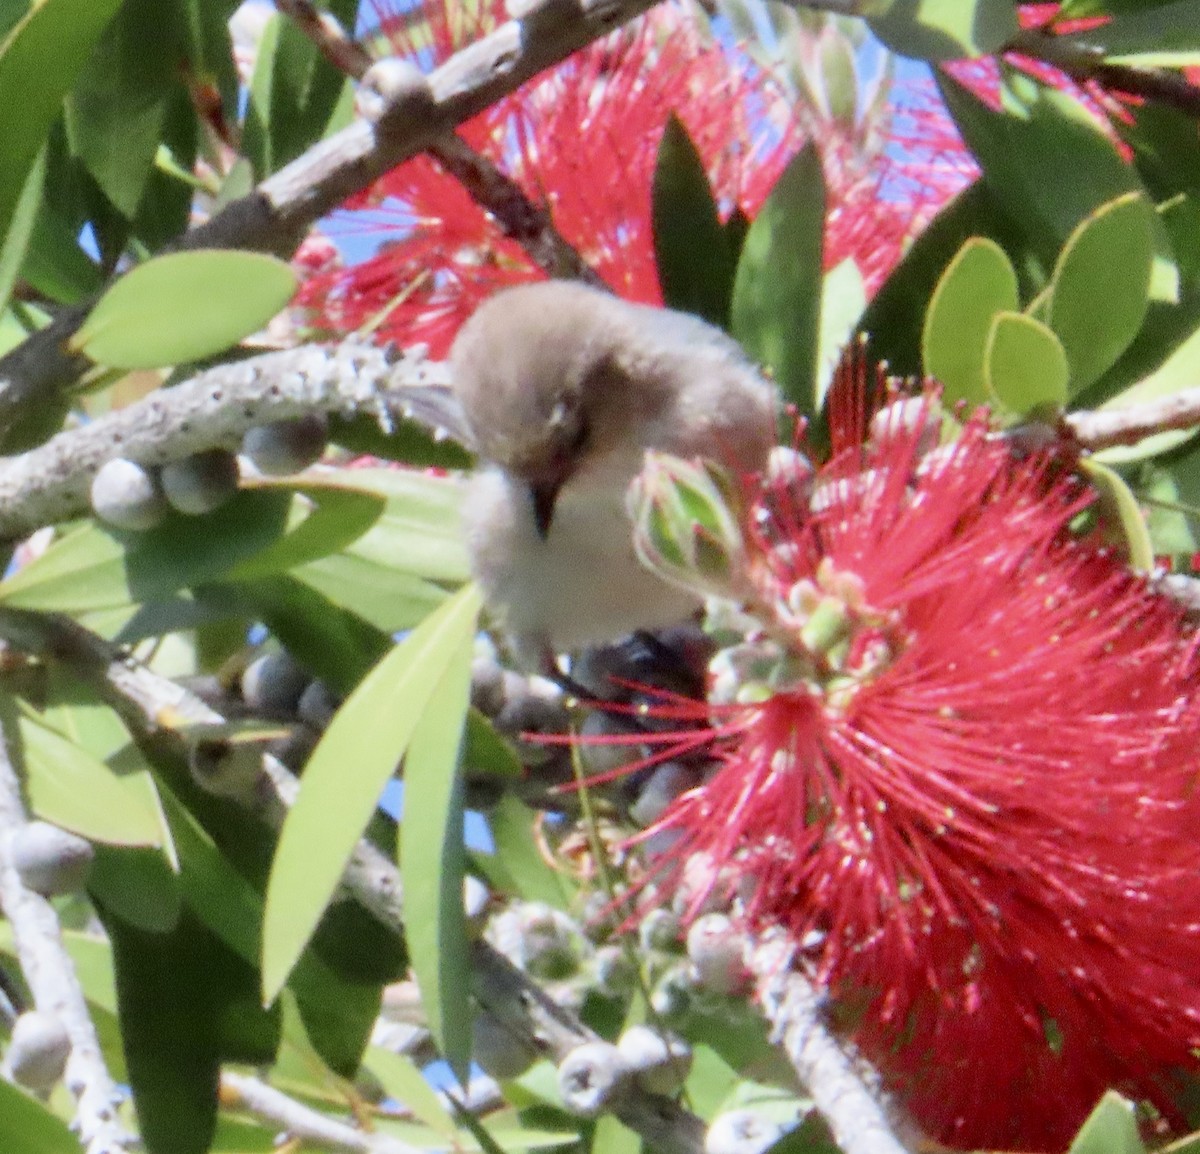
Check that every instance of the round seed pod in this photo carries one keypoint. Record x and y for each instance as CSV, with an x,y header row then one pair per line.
x,y
714,947
539,939
317,705
50,860
660,1061
38,1052
666,783
284,447
659,930
127,495
202,482
741,1132
603,746
502,1053
590,1076
487,684
274,683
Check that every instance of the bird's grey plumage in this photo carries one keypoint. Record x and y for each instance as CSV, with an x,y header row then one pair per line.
x,y
564,388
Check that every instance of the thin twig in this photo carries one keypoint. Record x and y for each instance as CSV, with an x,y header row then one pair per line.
x,y
1083,62
794,1008
276,215
242,1092
529,224
55,986
1102,428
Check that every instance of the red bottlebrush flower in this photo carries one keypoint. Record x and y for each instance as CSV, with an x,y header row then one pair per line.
x,y
582,141
958,766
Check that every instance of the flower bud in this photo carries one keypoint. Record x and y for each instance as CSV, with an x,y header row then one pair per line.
x,y
741,1132
50,860
202,482
660,930
660,1061
686,524
274,683
615,973
127,495
38,1052
590,1076
284,447
538,939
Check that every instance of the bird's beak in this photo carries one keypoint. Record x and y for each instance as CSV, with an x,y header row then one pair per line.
x,y
545,495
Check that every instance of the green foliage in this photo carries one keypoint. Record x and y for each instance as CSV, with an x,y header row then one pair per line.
x,y
1024,366
29,1126
944,29
978,285
151,317
776,307
692,249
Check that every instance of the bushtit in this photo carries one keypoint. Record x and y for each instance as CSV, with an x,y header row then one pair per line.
x,y
564,388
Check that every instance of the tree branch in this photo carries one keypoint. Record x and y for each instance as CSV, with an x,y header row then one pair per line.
x,y
254,1096
213,410
793,1007
56,990
529,224
1102,428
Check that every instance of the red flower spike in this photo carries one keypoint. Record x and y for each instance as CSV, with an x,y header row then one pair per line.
x,y
967,790
583,141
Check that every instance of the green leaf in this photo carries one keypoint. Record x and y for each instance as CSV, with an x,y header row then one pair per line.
x,y
1099,293
523,870
945,29
1111,1128
344,777
138,886
39,61
70,787
979,283
117,109
419,531
341,1012
1121,512
184,306
895,317
1014,147
1024,366
691,251
377,593
94,568
843,298
1179,371
776,308
21,228
294,93
401,1079
338,514
186,1003
1150,35
432,852
28,1126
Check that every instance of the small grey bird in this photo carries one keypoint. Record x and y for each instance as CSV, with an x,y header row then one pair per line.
x,y
563,388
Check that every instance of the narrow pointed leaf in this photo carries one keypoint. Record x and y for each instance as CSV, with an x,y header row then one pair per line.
x,y
433,856
345,776
28,1126
71,788
776,307
691,250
